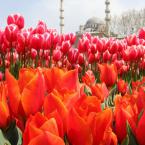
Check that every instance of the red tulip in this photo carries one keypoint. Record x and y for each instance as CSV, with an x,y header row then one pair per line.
x,y
108,74
16,19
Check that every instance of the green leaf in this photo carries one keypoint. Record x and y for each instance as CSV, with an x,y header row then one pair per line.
x,y
19,137
125,141
86,91
140,115
132,139
3,140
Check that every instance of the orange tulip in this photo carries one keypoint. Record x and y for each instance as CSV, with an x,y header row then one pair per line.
x,y
39,130
122,86
100,91
108,74
100,123
87,104
78,131
110,138
54,106
124,111
4,110
60,80
26,96
140,135
88,78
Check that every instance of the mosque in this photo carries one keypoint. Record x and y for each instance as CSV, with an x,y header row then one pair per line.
x,y
95,26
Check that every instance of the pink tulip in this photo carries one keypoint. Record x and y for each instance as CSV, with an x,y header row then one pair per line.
x,y
106,56
57,55
73,55
36,41
141,33
16,19
81,59
65,47
11,32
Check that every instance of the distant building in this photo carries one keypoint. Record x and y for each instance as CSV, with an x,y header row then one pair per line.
x,y
94,25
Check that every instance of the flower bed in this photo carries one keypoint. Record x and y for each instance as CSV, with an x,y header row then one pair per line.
x,y
54,94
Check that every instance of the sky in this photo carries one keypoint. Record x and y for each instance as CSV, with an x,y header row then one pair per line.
x,y
76,13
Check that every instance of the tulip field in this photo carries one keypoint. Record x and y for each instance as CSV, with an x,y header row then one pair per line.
x,y
57,90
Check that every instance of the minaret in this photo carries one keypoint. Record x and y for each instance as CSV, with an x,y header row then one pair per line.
x,y
107,18
61,17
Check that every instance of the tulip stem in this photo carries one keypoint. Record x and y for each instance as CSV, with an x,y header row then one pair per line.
x,y
50,61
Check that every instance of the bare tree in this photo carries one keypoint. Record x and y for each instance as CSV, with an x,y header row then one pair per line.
x,y
128,22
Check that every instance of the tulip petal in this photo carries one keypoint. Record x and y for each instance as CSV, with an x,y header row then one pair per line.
x,y
13,92
140,130
33,95
47,138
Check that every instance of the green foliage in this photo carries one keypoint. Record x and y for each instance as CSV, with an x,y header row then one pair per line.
x,y
131,137
11,136
3,140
